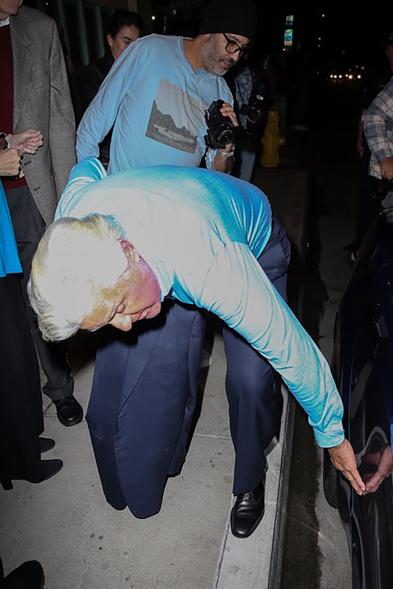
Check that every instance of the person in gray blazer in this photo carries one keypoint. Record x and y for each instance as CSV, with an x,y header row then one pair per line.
x,y
35,94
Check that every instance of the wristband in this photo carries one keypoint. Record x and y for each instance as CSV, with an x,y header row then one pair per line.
x,y
226,153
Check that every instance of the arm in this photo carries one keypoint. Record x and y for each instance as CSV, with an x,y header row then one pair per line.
x,y
101,114
238,291
87,171
61,138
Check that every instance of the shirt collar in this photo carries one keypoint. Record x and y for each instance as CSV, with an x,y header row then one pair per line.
x,y
5,21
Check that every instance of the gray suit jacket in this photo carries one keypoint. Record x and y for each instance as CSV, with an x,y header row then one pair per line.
x,y
42,101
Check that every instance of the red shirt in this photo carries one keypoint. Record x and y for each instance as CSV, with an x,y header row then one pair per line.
x,y
7,95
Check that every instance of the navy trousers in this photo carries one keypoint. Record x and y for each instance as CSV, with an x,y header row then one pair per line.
x,y
145,391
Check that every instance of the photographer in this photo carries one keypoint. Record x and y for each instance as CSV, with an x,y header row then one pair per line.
x,y
156,94
249,87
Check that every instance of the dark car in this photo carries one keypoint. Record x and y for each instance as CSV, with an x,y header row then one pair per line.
x,y
363,369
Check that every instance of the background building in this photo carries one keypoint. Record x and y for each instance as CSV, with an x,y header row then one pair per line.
x,y
82,24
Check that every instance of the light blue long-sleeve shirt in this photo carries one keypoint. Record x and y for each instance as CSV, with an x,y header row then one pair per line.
x,y
156,102
201,232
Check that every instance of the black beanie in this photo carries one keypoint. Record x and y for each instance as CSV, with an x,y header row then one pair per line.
x,y
231,16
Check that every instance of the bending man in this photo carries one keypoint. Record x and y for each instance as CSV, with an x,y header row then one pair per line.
x,y
123,246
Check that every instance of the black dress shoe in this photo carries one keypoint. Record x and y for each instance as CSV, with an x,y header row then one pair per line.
x,y
50,468
29,575
69,411
46,444
248,511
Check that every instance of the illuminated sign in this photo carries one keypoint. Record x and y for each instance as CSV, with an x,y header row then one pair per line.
x,y
288,37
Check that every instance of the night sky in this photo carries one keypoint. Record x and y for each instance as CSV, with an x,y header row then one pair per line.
x,y
346,35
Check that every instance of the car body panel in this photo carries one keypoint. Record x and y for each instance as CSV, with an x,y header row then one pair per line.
x,y
363,369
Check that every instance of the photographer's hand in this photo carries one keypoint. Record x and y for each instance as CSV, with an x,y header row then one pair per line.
x,y
227,111
223,160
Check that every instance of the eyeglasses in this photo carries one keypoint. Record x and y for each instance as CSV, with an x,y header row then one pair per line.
x,y
233,46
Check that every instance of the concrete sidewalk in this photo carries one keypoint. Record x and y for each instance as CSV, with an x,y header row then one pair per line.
x,y
82,542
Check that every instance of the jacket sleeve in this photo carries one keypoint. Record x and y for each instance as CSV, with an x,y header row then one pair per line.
x,y
61,120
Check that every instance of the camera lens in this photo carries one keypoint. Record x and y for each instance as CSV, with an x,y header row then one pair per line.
x,y
225,136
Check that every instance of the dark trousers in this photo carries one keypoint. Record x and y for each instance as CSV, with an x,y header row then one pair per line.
x,y
29,227
142,405
251,382
145,391
20,396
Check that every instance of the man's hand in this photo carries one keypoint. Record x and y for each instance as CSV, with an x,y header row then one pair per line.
x,y
384,463
343,458
227,111
9,162
27,142
387,168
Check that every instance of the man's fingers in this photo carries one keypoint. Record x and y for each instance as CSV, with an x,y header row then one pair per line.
x,y
343,459
353,477
374,482
31,133
356,481
227,111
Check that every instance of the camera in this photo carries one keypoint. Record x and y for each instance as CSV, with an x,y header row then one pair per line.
x,y
220,130
253,109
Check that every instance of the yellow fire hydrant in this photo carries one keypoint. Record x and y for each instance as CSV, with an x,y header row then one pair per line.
x,y
271,141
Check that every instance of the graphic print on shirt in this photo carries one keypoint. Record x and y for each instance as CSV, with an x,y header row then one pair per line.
x,y
175,118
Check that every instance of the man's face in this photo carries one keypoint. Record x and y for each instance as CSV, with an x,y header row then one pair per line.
x,y
221,51
9,8
124,37
135,296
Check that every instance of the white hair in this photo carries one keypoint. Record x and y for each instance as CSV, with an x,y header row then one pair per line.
x,y
76,260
